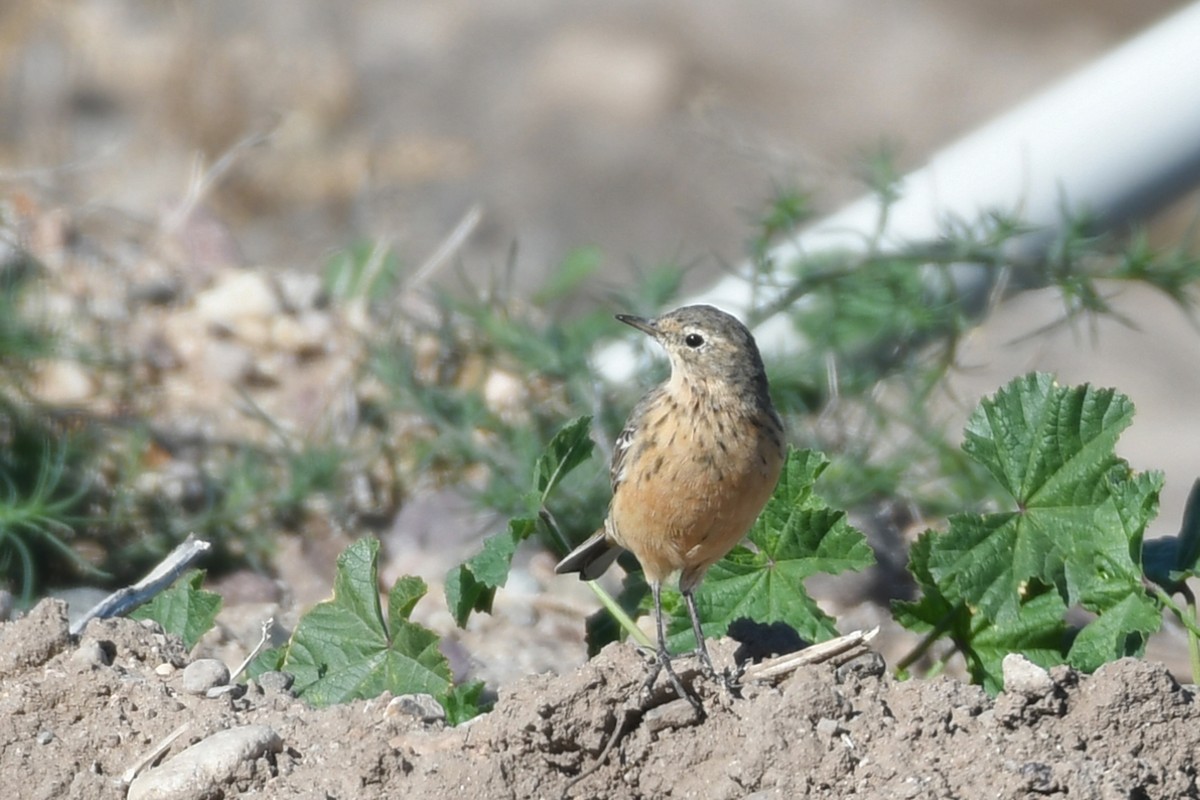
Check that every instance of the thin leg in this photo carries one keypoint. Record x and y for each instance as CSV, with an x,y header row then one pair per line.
x,y
701,646
662,661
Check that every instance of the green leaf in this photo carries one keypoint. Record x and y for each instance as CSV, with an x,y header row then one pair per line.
x,y
184,609
464,702
1038,631
1002,582
795,537
471,586
1052,450
344,649
1120,630
569,448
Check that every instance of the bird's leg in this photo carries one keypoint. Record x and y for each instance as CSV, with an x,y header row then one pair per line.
x,y
701,647
726,679
662,660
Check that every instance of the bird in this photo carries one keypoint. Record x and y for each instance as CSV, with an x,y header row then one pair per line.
x,y
693,467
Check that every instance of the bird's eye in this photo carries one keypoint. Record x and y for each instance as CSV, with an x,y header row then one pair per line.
x,y
693,340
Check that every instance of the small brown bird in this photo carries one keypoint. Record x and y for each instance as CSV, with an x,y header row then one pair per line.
x,y
698,458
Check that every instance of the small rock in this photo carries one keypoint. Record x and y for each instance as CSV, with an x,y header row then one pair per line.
x,y
159,290
92,653
45,737
300,291
234,690
204,674
1022,676
276,681
238,297
868,665
422,706
164,669
307,335
65,382
207,767
676,714
828,728
506,395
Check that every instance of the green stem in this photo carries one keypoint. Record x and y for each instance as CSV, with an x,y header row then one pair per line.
x,y
1192,624
1193,639
624,620
606,599
926,642
552,525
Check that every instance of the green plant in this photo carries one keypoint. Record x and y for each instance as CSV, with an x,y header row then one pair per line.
x,y
184,609
347,648
472,585
44,485
1069,537
41,500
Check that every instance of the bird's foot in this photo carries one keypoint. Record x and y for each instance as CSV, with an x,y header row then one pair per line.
x,y
660,661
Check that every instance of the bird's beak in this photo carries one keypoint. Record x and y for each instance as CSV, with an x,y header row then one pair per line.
x,y
641,323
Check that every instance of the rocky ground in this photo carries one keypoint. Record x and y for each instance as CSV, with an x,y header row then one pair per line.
x,y
75,719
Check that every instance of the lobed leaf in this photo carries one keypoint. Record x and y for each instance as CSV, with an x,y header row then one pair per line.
x,y
345,649
184,609
1002,582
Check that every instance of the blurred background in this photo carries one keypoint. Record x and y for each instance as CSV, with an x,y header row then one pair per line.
x,y
652,130
656,132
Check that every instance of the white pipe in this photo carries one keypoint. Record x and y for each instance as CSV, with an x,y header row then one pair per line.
x,y
1118,139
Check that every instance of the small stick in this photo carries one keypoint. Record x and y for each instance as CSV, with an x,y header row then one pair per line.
x,y
149,758
825,651
267,625
125,600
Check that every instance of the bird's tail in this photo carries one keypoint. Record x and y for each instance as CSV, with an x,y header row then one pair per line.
x,y
591,558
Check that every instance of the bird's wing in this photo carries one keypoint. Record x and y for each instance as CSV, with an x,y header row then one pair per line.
x,y
627,436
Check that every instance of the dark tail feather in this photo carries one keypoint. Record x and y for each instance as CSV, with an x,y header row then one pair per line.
x,y
591,558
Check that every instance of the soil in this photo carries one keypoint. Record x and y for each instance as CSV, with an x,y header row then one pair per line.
x,y
75,716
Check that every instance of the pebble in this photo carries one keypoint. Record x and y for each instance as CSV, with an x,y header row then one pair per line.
x,y
65,383
276,681
828,728
206,768
676,714
238,297
299,291
424,707
233,690
91,653
204,674
1022,676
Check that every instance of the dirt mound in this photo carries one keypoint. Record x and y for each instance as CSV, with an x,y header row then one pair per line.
x,y
74,717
